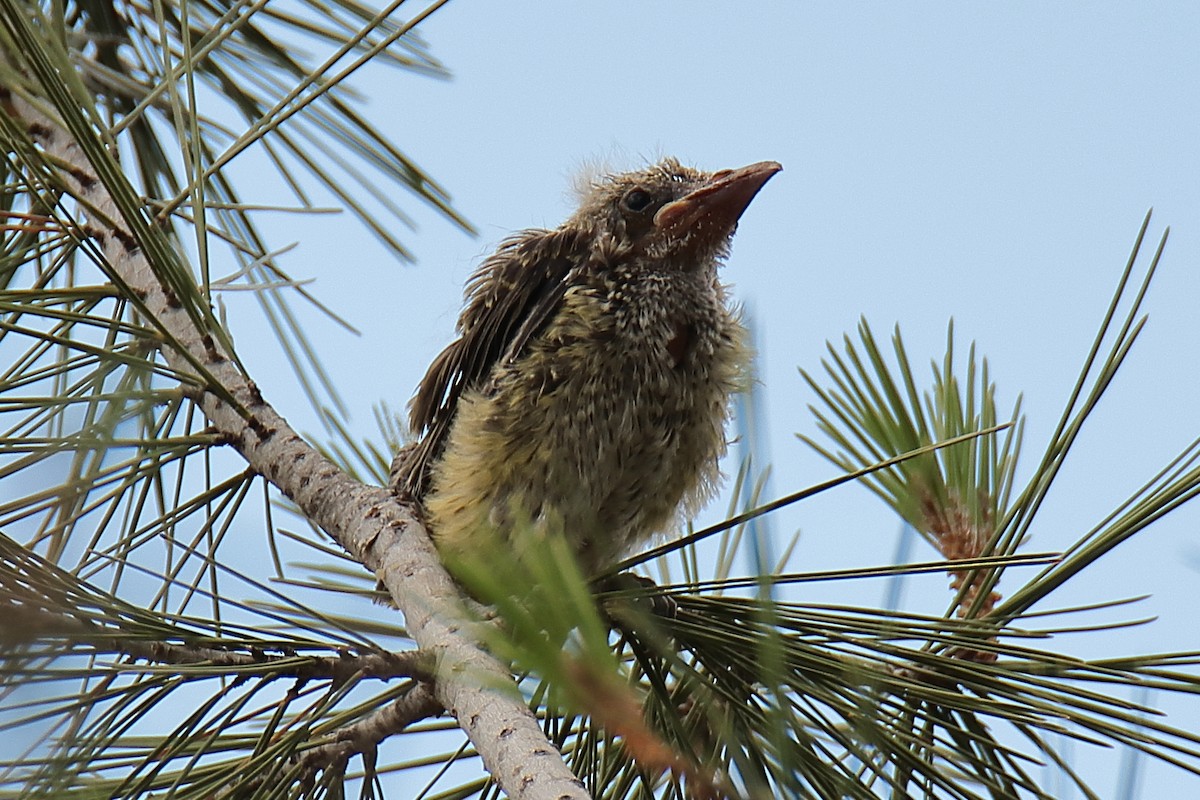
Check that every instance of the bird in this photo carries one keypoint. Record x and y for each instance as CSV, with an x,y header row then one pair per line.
x,y
587,392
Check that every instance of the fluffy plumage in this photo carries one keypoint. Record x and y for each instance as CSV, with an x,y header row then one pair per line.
x,y
589,387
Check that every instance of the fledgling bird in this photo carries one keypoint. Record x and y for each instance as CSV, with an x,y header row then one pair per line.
x,y
589,387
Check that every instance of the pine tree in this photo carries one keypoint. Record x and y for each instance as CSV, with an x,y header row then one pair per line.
x,y
166,538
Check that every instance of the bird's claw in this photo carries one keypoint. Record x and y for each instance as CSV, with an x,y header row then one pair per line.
x,y
642,592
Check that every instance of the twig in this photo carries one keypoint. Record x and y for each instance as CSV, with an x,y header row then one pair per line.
x,y
21,624
362,737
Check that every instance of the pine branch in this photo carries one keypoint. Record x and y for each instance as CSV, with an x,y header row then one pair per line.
x,y
362,737
375,529
23,625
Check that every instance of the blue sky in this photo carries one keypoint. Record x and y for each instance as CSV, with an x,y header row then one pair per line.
x,y
986,162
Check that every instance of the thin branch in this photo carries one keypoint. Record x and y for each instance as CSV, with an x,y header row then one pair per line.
x,y
41,625
362,737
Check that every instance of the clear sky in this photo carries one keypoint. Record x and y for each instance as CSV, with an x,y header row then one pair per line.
x,y
986,161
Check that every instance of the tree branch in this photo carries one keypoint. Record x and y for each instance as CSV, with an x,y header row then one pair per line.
x,y
23,624
383,535
363,736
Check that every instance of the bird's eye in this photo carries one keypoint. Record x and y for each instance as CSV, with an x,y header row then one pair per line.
x,y
636,200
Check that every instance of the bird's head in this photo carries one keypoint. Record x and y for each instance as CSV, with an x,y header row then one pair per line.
x,y
669,212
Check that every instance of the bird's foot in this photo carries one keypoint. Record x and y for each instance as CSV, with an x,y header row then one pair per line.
x,y
642,592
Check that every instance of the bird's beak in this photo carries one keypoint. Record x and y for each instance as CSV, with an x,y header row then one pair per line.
x,y
719,203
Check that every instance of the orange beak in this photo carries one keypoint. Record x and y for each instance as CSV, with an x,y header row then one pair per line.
x,y
717,205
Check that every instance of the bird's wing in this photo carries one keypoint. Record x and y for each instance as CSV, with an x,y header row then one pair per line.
x,y
510,298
